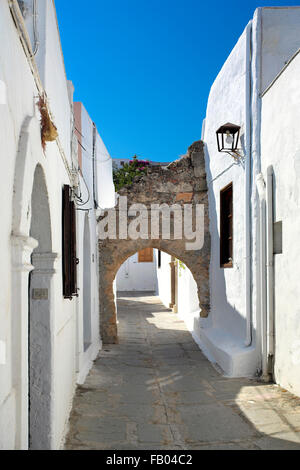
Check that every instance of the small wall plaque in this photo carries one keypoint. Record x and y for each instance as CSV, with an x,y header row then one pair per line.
x,y
277,235
40,294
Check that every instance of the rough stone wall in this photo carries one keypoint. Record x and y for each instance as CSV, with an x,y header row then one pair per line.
x,y
182,182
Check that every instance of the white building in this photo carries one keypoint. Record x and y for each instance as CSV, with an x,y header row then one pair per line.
x,y
233,334
47,338
58,174
96,189
250,330
138,273
280,202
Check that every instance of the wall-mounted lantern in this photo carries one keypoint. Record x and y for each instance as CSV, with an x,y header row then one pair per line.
x,y
228,138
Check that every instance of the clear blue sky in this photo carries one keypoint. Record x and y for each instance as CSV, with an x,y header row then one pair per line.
x,y
143,68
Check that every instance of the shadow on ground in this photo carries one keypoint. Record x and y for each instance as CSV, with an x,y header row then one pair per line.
x,y
156,390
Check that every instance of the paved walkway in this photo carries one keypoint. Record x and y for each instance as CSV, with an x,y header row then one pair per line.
x,y
156,390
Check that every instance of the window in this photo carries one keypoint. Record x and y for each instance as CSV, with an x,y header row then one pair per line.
x,y
145,255
70,260
226,228
159,259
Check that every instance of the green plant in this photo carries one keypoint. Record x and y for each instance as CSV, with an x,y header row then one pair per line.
x,y
181,266
125,175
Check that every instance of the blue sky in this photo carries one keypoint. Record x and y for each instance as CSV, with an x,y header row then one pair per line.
x,y
143,68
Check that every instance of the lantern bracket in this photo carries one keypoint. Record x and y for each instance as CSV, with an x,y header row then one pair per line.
x,y
228,138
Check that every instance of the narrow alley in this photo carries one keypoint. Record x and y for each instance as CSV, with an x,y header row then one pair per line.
x,y
156,390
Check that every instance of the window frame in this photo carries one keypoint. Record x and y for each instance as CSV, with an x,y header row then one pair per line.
x,y
143,250
228,264
69,256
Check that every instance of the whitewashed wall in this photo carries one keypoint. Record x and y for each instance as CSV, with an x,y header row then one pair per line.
x,y
135,276
88,305
280,39
281,149
105,196
224,332
187,294
274,35
188,303
164,279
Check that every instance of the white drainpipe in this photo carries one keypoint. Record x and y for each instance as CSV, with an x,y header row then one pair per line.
x,y
247,199
265,192
261,188
270,264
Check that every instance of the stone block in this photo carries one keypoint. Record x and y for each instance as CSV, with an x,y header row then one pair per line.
x,y
186,197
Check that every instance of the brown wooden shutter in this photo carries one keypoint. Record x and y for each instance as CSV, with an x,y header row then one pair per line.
x,y
226,228
69,245
145,255
73,250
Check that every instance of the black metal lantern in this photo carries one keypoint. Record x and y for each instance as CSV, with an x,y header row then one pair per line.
x,y
228,138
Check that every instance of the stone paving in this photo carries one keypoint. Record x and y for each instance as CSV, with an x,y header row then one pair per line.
x,y
156,390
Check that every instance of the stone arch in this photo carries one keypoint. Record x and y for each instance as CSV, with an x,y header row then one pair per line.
x,y
29,155
40,224
182,182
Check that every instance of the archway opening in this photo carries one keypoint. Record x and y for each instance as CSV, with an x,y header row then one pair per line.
x,y
39,322
165,286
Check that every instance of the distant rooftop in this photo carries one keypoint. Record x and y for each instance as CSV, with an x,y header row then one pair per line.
x,y
121,161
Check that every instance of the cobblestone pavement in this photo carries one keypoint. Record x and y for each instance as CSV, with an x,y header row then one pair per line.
x,y
156,390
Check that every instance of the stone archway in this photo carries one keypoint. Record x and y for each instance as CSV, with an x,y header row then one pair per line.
x,y
182,183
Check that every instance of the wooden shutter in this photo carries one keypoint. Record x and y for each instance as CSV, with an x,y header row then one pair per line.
x,y
69,245
145,255
226,228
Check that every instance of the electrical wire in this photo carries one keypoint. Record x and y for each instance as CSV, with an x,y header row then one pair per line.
x,y
91,157
79,198
78,131
89,151
25,41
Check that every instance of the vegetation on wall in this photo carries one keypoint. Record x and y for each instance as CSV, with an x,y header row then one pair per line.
x,y
125,175
48,130
181,266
